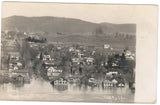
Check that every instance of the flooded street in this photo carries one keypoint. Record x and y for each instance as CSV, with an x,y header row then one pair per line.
x,y
39,90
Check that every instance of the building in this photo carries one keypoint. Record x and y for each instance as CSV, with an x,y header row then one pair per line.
x,y
24,73
89,60
106,46
60,84
14,56
15,66
80,55
77,60
114,81
129,55
60,81
47,58
111,73
53,72
107,83
120,84
71,49
19,78
11,45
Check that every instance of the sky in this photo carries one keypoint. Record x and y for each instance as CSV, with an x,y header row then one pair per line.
x,y
96,13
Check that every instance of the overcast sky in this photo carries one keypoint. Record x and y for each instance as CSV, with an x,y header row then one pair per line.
x,y
88,12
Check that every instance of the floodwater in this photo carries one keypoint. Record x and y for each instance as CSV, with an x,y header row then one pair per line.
x,y
39,90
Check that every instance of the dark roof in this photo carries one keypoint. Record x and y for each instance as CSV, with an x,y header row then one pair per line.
x,y
57,78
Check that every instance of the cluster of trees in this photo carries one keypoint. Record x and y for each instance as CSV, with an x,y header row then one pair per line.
x,y
124,35
32,39
123,65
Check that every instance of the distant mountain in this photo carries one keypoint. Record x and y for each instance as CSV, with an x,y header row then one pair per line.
x,y
62,25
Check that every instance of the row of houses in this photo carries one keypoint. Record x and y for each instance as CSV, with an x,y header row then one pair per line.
x,y
11,48
113,83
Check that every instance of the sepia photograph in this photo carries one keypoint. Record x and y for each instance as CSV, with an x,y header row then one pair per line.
x,y
63,52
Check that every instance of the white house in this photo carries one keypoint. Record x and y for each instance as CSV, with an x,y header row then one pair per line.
x,y
128,53
89,60
59,48
52,71
107,83
91,80
47,58
120,84
106,46
71,49
111,73
38,56
60,81
80,54
114,81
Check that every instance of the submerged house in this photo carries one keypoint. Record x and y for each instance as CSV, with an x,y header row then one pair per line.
x,y
120,84
92,82
60,81
19,78
107,83
60,84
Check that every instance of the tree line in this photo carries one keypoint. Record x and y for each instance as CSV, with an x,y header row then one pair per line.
x,y
32,39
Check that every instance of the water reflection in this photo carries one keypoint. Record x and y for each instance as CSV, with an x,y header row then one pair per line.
x,y
45,91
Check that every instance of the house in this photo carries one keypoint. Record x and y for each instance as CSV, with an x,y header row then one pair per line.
x,y
47,58
132,85
38,56
15,66
80,54
73,80
12,68
130,57
106,46
111,73
14,56
33,45
120,84
59,48
128,53
11,43
89,60
77,60
60,81
107,83
93,52
60,84
48,63
114,81
92,82
53,72
19,78
20,75
19,64
71,49
78,51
